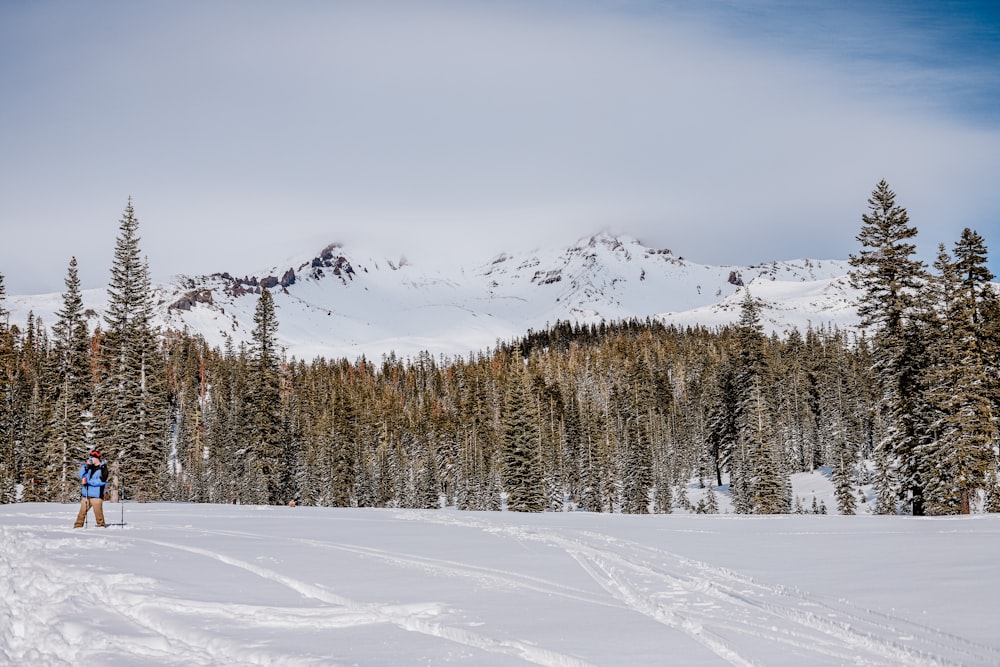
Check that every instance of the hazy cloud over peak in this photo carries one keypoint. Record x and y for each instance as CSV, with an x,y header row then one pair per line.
x,y
731,132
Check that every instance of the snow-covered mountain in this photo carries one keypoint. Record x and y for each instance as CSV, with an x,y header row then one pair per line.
x,y
343,302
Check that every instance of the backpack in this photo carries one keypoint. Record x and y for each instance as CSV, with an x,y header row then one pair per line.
x,y
103,468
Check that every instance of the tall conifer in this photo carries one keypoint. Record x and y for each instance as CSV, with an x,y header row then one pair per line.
x,y
68,432
522,469
132,407
762,479
268,455
958,453
890,279
342,444
636,405
8,366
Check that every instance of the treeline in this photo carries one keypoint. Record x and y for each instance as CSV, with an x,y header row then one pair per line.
x,y
615,417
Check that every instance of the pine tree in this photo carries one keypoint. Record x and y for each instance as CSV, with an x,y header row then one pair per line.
x,y
267,452
366,489
131,400
68,433
228,431
722,428
959,453
8,368
593,464
711,502
991,503
189,391
342,445
797,404
427,487
522,465
663,494
761,475
637,466
890,280
573,445
32,407
839,415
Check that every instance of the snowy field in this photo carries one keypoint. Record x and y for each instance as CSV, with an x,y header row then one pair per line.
x,y
183,584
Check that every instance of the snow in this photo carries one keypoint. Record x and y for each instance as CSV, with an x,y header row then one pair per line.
x,y
467,306
186,584
785,305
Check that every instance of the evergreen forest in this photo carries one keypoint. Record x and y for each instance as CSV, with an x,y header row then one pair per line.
x,y
610,417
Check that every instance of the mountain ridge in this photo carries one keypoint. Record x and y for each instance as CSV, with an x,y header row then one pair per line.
x,y
344,302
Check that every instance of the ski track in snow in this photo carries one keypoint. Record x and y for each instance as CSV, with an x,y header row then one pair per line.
x,y
42,585
495,577
731,615
404,616
721,609
173,642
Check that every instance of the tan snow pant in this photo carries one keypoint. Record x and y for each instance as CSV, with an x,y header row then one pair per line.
x,y
86,504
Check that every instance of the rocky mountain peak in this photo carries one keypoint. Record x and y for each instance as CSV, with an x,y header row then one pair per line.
x,y
335,303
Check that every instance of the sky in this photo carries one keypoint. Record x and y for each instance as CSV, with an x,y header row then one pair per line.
x,y
187,584
251,132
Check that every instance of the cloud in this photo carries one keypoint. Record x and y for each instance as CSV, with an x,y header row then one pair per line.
x,y
243,130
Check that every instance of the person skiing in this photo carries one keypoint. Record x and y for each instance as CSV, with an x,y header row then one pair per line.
x,y
94,475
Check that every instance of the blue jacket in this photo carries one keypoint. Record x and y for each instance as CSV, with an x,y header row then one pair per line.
x,y
93,480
